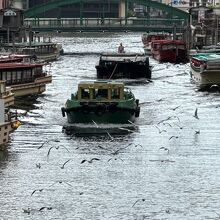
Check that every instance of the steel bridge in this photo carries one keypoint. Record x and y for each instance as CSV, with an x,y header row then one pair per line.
x,y
176,18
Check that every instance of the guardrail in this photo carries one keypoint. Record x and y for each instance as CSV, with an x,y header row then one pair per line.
x,y
62,23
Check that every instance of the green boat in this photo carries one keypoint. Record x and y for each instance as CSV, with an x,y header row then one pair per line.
x,y
101,102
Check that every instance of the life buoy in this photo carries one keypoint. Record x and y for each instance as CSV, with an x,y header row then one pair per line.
x,y
15,124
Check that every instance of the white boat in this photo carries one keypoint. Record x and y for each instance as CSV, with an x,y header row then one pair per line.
x,y
205,69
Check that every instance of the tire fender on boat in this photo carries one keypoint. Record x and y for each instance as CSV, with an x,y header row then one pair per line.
x,y
63,110
137,112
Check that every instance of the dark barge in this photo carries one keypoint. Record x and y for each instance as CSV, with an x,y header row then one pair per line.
x,y
123,65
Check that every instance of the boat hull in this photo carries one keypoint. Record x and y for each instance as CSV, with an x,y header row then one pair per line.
x,y
33,88
118,66
206,77
101,117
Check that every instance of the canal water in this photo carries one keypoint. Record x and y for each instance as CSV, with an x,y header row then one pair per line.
x,y
167,169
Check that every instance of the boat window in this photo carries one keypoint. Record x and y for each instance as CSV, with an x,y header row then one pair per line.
x,y
4,76
8,76
182,47
18,75
115,93
14,76
101,93
165,47
85,94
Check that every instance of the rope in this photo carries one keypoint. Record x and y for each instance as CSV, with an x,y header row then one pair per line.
x,y
113,71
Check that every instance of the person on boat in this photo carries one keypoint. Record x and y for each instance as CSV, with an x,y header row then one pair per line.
x,y
121,49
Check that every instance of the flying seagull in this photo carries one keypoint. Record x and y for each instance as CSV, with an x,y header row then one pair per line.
x,y
138,201
160,131
60,182
57,147
89,161
196,114
173,137
40,190
42,208
62,167
166,149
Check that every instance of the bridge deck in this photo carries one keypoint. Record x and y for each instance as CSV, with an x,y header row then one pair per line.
x,y
110,24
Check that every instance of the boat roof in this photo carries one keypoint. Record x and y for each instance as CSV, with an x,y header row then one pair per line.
x,y
179,42
100,84
155,33
19,65
206,56
135,57
27,44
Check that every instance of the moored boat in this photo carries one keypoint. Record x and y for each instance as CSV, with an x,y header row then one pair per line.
x,y
7,122
123,65
205,69
147,38
44,51
24,78
6,94
173,51
101,102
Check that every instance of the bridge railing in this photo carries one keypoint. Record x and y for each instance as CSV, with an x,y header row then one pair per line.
x,y
96,22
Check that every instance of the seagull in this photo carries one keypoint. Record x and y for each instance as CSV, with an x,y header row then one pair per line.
x,y
89,161
115,159
38,165
166,149
42,144
28,211
42,208
138,201
175,108
196,114
166,123
197,132
173,137
62,167
110,136
125,129
132,123
47,141
48,153
60,182
172,161
95,124
160,131
40,190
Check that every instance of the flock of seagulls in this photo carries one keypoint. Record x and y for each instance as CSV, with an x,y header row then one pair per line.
x,y
113,155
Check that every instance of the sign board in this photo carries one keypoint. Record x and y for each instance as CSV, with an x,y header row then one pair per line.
x,y
10,12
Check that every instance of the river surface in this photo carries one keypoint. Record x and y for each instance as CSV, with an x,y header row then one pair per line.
x,y
167,169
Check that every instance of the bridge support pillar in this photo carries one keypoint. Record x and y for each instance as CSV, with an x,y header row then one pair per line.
x,y
122,9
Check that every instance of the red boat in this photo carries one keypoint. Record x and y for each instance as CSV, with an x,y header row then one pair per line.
x,y
173,51
149,37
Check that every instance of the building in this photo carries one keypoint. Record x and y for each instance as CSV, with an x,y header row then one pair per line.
x,y
93,9
11,25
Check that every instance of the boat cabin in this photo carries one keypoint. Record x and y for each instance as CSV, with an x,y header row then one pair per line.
x,y
147,38
173,51
103,90
125,65
19,73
